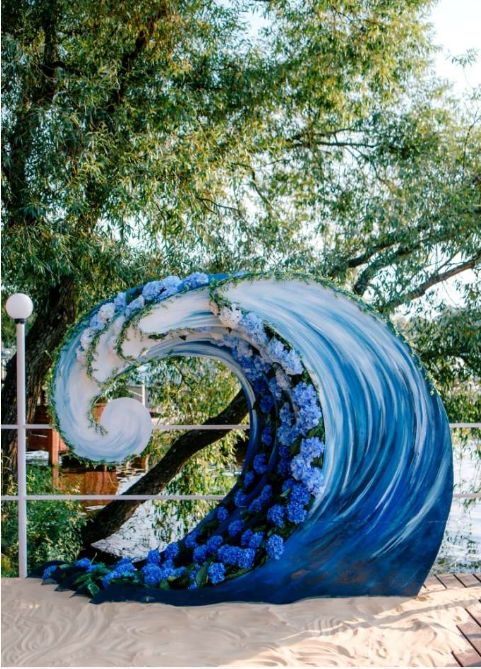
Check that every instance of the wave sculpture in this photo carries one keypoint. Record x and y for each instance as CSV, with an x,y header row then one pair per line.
x,y
347,482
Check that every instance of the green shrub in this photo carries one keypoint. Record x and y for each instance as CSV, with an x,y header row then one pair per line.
x,y
53,528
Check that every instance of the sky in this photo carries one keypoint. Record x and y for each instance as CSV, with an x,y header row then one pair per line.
x,y
457,28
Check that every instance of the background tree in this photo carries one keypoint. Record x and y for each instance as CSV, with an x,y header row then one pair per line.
x,y
169,136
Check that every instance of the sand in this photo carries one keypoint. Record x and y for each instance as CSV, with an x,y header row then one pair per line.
x,y
42,627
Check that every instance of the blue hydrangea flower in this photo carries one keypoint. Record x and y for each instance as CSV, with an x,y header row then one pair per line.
x,y
166,570
240,498
314,481
134,306
300,468
152,573
96,323
200,553
171,285
235,528
246,558
296,512
152,290
254,327
256,540
48,571
275,546
120,301
284,467
245,538
109,577
171,551
266,492
248,478
124,565
84,563
266,403
299,493
191,539
311,448
266,436
275,389
256,505
260,463
153,556
285,414
228,554
222,513
216,572
276,515
291,363
214,543
195,280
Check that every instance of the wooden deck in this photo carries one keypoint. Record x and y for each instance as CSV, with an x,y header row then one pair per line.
x,y
470,631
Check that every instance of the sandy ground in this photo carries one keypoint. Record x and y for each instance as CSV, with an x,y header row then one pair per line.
x,y
42,627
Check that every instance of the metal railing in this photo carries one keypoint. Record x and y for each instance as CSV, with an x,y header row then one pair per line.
x,y
21,426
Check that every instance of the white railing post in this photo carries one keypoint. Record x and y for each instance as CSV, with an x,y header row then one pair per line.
x,y
19,307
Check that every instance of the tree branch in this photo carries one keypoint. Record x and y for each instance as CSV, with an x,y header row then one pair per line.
x,y
439,277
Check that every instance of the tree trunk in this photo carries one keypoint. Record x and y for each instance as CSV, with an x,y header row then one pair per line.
x,y
53,317
109,519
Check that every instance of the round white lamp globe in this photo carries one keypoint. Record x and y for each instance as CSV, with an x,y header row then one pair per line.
x,y
19,306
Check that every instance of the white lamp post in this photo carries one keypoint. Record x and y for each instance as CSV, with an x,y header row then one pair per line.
x,y
19,307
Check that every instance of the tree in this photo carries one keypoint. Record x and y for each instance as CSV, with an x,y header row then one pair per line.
x,y
158,138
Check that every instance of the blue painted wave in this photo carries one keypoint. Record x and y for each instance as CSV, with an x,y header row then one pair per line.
x,y
376,526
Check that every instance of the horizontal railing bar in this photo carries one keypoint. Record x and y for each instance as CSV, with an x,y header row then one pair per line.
x,y
177,498
172,427
81,498
473,426
182,426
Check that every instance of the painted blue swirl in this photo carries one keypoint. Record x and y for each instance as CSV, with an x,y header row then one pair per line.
x,y
377,523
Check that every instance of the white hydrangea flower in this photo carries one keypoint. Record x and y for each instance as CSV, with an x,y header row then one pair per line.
x,y
230,317
86,337
244,348
106,312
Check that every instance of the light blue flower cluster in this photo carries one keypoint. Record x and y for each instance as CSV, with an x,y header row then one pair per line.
x,y
288,359
254,328
275,546
308,411
302,468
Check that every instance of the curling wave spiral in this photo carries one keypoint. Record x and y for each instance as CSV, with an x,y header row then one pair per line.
x,y
347,482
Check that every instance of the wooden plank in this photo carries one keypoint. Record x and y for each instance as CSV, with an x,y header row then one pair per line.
x,y
468,580
432,584
449,580
475,612
472,631
478,576
467,658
